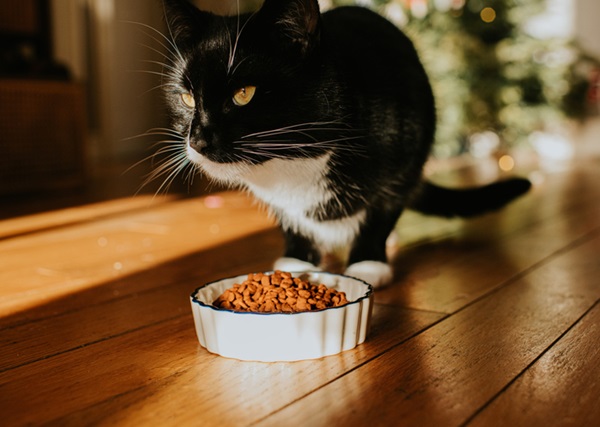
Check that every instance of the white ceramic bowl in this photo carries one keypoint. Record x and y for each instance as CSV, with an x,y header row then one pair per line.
x,y
275,337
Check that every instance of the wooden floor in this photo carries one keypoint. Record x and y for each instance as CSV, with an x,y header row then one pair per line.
x,y
493,321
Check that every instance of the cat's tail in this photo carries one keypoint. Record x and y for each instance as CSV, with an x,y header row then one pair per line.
x,y
432,199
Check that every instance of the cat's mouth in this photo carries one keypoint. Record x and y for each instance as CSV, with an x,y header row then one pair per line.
x,y
220,153
193,155
229,173
201,152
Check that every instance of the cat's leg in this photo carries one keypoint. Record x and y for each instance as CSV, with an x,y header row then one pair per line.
x,y
300,254
368,259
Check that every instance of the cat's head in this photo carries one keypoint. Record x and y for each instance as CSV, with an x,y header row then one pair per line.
x,y
247,88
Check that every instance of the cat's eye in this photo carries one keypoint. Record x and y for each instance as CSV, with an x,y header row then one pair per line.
x,y
243,95
188,99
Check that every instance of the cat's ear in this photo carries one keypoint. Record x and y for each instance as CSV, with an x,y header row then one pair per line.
x,y
296,22
185,21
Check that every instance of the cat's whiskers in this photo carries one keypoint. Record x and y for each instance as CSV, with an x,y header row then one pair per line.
x,y
233,47
162,86
272,142
290,144
168,59
169,168
166,131
293,150
174,146
156,73
175,52
168,161
171,68
306,126
169,46
262,153
168,149
158,131
236,67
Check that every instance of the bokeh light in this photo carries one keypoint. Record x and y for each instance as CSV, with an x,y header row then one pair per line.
x,y
506,163
488,15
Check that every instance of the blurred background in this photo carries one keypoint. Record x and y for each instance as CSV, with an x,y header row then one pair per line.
x,y
79,87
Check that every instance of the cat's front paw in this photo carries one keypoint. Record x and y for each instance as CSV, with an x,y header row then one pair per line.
x,y
375,273
294,264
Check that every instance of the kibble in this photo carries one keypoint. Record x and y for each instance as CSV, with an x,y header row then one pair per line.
x,y
278,293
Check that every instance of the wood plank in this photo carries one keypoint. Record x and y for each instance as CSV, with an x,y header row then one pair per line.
x,y
187,271
558,193
68,216
561,388
101,313
520,287
451,370
132,378
36,269
445,274
442,265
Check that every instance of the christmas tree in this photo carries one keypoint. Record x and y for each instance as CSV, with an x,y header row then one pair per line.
x,y
495,82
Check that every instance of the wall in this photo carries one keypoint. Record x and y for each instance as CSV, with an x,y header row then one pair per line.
x,y
587,25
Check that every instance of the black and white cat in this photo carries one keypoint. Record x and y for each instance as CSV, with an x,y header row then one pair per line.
x,y
326,118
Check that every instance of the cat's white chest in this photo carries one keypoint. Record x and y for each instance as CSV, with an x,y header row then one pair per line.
x,y
293,186
294,189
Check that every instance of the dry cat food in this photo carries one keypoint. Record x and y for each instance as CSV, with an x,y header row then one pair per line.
x,y
278,293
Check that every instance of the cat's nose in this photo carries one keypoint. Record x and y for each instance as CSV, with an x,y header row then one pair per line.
x,y
202,138
198,144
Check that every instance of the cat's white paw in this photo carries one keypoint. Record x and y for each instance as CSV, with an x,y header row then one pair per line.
x,y
294,264
375,273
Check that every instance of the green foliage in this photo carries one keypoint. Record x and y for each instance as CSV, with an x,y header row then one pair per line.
x,y
487,72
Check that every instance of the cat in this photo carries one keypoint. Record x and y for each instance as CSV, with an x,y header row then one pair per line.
x,y
326,118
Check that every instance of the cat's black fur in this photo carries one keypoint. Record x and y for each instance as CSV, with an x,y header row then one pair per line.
x,y
342,103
